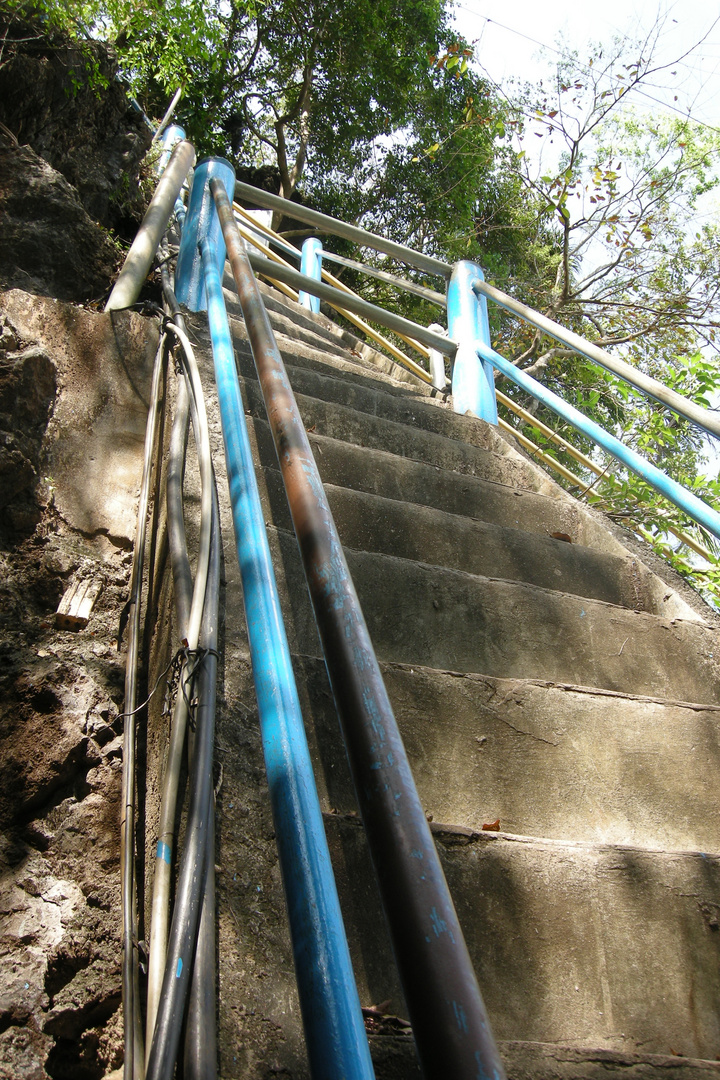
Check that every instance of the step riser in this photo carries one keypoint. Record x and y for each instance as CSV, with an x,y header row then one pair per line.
x,y
343,423
402,479
386,526
457,622
545,761
612,948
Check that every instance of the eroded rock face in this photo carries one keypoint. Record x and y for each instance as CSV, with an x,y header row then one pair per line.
x,y
48,243
27,394
67,105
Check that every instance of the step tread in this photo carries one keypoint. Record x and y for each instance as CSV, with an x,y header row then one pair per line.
x,y
371,523
449,619
394,1052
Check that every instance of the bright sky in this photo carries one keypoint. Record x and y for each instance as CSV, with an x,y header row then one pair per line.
x,y
509,37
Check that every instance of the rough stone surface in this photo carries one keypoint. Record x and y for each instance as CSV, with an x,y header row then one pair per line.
x,y
64,373
48,243
97,428
607,947
64,101
28,385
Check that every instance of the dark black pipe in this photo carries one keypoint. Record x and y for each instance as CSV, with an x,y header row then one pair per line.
x,y
192,876
200,1027
449,1022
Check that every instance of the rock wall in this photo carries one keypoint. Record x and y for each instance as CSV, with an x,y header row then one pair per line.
x,y
73,404
67,104
70,149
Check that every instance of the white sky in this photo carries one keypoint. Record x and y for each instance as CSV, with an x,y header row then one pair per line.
x,y
503,48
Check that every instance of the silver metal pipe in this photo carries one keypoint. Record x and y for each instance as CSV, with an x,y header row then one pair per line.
x,y
392,279
325,224
651,387
190,632
142,252
168,115
337,298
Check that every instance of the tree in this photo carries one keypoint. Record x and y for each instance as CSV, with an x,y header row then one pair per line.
x,y
306,86
621,254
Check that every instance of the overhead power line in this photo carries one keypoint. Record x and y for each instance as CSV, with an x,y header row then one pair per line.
x,y
686,114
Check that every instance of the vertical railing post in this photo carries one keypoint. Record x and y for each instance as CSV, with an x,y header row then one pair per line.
x,y
168,140
437,360
311,264
201,222
473,382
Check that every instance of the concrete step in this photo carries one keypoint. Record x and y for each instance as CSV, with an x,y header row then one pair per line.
x,y
610,947
393,1053
385,526
372,523
563,762
312,340
349,425
447,619
393,401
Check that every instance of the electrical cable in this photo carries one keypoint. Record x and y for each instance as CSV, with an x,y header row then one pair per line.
x,y
133,1038
188,619
191,878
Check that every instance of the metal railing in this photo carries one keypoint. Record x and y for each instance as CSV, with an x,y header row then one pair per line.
x,y
652,388
332,1018
469,348
438,978
434,965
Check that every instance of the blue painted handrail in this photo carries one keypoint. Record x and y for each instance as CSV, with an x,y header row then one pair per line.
x,y
689,503
450,1024
334,1028
473,382
311,264
704,418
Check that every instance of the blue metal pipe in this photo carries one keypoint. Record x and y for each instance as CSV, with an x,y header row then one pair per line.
x,y
311,264
334,1029
689,503
450,1025
201,221
168,140
473,382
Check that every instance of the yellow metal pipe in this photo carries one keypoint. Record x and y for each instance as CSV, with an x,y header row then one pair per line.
x,y
530,446
541,455
396,353
530,419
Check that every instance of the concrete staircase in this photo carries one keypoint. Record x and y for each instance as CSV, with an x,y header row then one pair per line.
x,y
564,689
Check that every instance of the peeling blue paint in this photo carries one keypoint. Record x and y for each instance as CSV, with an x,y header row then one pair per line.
x,y
460,1016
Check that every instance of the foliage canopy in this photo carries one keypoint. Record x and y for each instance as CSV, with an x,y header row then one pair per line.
x,y
376,110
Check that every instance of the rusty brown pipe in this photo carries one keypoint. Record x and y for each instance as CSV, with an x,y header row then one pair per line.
x,y
450,1024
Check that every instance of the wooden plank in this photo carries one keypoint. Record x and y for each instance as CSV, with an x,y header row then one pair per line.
x,y
76,606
